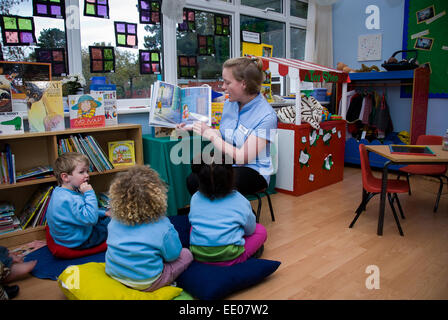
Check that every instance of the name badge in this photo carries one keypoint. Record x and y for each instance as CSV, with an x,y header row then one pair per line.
x,y
243,129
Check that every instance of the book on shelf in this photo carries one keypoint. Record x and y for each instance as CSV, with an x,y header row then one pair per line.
x,y
217,108
34,205
86,111
12,226
6,207
45,106
7,164
122,153
11,123
110,105
5,94
171,105
35,172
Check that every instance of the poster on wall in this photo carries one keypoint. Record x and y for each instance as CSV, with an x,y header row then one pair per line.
x,y
425,25
369,47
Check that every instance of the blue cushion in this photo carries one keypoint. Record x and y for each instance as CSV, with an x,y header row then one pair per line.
x,y
208,282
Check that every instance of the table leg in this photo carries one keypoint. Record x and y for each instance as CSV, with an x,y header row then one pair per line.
x,y
383,199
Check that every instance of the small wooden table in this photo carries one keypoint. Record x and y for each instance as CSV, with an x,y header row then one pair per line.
x,y
441,157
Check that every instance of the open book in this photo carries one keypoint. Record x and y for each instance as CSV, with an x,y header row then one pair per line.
x,y
171,105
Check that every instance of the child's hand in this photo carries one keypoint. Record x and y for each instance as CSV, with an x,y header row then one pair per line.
x,y
85,186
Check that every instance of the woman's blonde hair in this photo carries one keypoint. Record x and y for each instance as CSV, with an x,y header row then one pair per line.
x,y
248,69
137,196
67,162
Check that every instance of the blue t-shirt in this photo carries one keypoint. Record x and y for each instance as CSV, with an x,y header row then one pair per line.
x,y
138,252
71,216
220,222
256,117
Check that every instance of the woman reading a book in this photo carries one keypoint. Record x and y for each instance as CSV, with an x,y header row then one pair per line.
x,y
247,127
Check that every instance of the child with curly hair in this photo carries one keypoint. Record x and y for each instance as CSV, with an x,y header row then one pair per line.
x,y
144,251
224,231
73,216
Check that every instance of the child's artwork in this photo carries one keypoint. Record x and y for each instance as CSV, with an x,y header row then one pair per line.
x,y
126,34
44,105
96,8
55,56
121,153
86,111
51,9
149,11
110,106
102,59
11,123
171,105
17,30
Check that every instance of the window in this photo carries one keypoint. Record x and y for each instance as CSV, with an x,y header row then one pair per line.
x,y
272,32
299,9
298,43
123,32
203,45
275,5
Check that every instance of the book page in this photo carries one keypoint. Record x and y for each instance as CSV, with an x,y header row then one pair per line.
x,y
196,105
165,106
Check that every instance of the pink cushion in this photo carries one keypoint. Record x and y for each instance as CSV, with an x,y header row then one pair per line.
x,y
68,253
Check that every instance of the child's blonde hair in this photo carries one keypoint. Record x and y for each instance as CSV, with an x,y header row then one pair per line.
x,y
137,196
248,69
67,162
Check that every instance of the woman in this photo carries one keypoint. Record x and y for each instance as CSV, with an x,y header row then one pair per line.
x,y
247,126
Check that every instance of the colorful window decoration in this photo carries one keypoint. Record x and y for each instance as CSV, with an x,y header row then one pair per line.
x,y
222,25
96,8
49,8
188,66
126,34
102,59
206,45
149,11
17,31
189,23
149,62
55,56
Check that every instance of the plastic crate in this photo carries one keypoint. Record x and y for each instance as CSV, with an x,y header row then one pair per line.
x,y
320,94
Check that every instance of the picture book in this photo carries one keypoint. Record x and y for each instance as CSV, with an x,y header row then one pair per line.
x,y
29,247
217,108
110,105
86,111
122,153
33,205
45,107
11,123
5,94
35,172
171,105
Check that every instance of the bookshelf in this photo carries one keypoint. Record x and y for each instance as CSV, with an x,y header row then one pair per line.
x,y
41,148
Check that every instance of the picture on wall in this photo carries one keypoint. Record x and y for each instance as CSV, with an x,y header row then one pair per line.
x,y
20,72
423,43
425,14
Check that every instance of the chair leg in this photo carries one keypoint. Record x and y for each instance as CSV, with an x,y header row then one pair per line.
x,y
366,196
395,214
270,205
399,206
409,183
436,206
258,209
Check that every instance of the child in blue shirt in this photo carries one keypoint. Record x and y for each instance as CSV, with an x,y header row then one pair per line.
x,y
73,216
223,227
144,251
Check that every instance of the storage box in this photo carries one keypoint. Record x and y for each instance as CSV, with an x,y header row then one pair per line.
x,y
320,94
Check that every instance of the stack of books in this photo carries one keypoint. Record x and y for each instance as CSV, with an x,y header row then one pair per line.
x,y
88,146
38,172
7,164
34,212
8,220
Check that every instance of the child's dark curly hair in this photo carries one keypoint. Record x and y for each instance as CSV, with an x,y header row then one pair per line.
x,y
216,176
137,196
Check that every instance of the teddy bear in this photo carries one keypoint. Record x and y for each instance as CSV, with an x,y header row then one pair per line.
x,y
343,67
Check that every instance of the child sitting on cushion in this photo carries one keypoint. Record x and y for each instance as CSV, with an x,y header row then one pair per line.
x,y
224,231
144,251
73,216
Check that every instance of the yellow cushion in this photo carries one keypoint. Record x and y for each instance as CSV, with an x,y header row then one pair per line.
x,y
90,282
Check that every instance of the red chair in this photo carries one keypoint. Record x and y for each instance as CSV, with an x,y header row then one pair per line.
x,y
371,186
433,170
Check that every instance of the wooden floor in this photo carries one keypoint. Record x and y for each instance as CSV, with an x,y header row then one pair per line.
x,y
323,259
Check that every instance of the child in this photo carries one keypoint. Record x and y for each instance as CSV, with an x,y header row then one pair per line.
x,y
144,251
73,216
12,268
224,231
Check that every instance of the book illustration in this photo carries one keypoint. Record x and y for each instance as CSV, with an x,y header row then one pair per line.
x,y
122,153
29,247
86,111
5,94
172,105
33,205
217,108
11,123
110,105
45,106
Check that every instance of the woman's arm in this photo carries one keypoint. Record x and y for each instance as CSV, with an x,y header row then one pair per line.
x,y
250,149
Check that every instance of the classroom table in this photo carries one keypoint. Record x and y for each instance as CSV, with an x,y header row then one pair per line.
x,y
440,157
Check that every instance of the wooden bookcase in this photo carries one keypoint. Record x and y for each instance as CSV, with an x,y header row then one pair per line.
x,y
41,148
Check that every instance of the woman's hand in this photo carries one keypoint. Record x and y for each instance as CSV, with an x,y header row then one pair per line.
x,y
181,126
200,128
